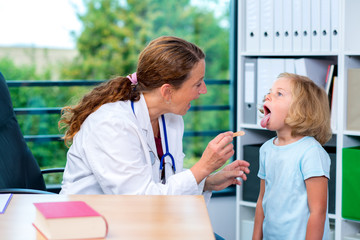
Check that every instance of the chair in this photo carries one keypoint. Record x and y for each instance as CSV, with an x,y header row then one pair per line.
x,y
19,170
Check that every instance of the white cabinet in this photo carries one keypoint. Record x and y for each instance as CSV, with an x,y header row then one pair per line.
x,y
346,54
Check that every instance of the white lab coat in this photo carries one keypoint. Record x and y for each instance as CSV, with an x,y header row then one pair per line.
x,y
111,154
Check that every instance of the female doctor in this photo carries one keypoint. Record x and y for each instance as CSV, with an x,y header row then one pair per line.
x,y
126,134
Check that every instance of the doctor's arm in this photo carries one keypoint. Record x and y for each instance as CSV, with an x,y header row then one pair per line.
x,y
217,152
227,176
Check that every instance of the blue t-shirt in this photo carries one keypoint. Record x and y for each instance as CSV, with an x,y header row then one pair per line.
x,y
285,169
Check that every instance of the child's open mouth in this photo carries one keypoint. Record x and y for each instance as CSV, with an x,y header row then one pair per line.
x,y
266,118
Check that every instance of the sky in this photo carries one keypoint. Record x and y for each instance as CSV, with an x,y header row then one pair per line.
x,y
39,23
47,23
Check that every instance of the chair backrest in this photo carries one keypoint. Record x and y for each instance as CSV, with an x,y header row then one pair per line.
x,y
18,167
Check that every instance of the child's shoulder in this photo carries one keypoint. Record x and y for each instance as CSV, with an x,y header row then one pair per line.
x,y
312,146
310,142
268,143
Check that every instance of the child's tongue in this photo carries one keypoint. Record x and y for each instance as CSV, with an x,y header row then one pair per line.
x,y
265,120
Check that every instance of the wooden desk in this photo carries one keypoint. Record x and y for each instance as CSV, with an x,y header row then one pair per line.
x,y
129,217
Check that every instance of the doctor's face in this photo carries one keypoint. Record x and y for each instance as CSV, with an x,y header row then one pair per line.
x,y
190,89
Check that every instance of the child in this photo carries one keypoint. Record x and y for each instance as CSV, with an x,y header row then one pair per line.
x,y
294,167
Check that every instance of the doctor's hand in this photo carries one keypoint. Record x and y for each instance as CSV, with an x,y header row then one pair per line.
x,y
217,152
227,176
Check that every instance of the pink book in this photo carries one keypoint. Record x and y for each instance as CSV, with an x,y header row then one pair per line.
x,y
69,220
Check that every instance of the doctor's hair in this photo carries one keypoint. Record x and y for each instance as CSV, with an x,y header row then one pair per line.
x,y
309,112
165,60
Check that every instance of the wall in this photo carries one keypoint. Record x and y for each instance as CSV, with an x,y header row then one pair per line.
x,y
43,58
222,210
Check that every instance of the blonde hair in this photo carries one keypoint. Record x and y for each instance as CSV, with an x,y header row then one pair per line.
x,y
309,113
166,59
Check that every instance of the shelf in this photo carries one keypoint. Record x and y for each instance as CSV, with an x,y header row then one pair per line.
x,y
287,54
352,133
349,53
248,204
346,55
252,126
350,227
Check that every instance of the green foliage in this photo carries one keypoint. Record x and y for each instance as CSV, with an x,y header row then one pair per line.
x,y
114,33
49,154
12,72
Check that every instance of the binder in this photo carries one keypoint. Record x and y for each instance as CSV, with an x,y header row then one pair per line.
x,y
315,25
266,25
268,69
325,26
306,26
289,65
287,24
353,106
250,76
332,181
252,17
278,25
297,21
251,187
315,69
334,25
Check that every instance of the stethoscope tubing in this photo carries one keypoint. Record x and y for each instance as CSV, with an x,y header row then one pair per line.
x,y
167,152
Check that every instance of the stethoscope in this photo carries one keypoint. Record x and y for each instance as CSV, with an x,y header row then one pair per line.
x,y
167,152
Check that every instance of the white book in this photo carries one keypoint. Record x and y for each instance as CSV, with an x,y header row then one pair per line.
x,y
334,104
4,201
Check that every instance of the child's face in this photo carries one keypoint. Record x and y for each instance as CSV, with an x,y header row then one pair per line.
x,y
277,104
